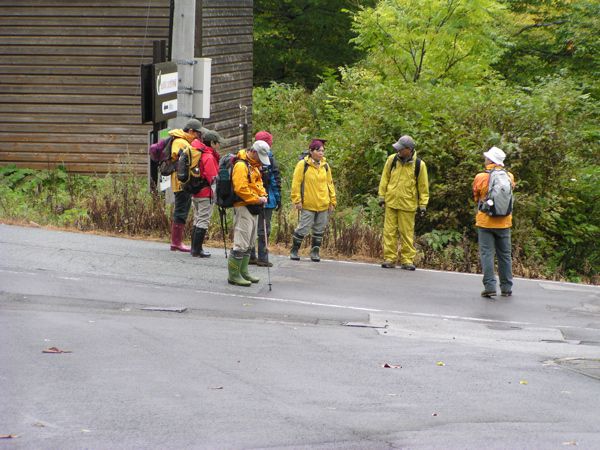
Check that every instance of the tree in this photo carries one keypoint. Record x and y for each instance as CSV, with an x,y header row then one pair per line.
x,y
553,37
296,41
431,39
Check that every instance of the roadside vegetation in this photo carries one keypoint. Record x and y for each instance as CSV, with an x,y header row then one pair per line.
x,y
524,78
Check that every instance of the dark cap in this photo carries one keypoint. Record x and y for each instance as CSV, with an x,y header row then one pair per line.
x,y
193,124
212,136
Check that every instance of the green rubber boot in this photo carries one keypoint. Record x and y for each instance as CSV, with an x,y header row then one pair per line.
x,y
244,269
234,277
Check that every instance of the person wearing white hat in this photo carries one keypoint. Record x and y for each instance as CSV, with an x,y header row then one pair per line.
x,y
248,186
493,231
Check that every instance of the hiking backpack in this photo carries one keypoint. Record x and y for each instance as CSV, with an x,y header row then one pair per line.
x,y
160,152
192,178
499,199
225,194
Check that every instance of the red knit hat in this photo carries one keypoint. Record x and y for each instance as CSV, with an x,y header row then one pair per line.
x,y
264,136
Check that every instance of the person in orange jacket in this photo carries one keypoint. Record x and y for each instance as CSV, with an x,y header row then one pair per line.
x,y
493,232
247,185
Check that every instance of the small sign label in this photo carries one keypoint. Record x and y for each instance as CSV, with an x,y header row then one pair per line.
x,y
169,106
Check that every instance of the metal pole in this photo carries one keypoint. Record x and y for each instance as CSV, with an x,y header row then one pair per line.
x,y
244,125
267,247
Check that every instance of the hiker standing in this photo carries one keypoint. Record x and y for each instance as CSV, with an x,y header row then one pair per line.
x,y
183,200
493,232
313,194
404,188
248,186
207,159
271,179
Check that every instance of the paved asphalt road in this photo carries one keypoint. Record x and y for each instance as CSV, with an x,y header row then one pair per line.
x,y
300,366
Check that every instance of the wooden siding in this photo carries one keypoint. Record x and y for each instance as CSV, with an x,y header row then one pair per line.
x,y
69,78
224,30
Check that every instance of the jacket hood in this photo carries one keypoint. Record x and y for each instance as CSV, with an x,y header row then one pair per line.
x,y
179,133
243,154
310,161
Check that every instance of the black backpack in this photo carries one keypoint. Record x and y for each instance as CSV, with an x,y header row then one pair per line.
x,y
192,179
225,194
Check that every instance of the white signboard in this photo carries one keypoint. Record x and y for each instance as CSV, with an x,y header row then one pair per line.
x,y
166,83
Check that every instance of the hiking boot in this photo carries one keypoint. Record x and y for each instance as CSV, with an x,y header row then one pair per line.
x,y
488,294
506,293
408,267
263,263
177,237
244,270
233,264
296,243
388,265
201,234
253,261
314,254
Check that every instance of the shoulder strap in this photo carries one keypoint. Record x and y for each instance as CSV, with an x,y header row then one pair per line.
x,y
393,164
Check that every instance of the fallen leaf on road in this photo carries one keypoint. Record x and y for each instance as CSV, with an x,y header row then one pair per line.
x,y
391,366
247,304
8,436
216,387
56,350
570,443
440,363
434,414
523,382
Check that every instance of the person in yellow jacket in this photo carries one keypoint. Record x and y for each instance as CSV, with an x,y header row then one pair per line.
x,y
402,193
183,200
493,232
247,185
313,194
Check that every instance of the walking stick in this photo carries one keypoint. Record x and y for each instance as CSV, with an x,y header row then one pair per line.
x,y
267,248
222,213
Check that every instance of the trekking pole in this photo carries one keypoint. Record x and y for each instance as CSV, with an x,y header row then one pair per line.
x,y
267,248
222,213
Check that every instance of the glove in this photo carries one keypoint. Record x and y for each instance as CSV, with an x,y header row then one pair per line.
x,y
278,207
381,202
422,211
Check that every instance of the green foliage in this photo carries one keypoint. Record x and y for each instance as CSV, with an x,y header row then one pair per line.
x,y
431,39
120,204
550,38
547,132
296,41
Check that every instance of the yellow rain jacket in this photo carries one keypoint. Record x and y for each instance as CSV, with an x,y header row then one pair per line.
x,y
181,141
319,192
480,189
249,190
398,187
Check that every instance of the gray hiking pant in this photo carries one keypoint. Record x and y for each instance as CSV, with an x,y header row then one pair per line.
x,y
495,241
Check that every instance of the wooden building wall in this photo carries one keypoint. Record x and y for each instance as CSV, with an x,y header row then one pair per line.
x,y
225,35
69,78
